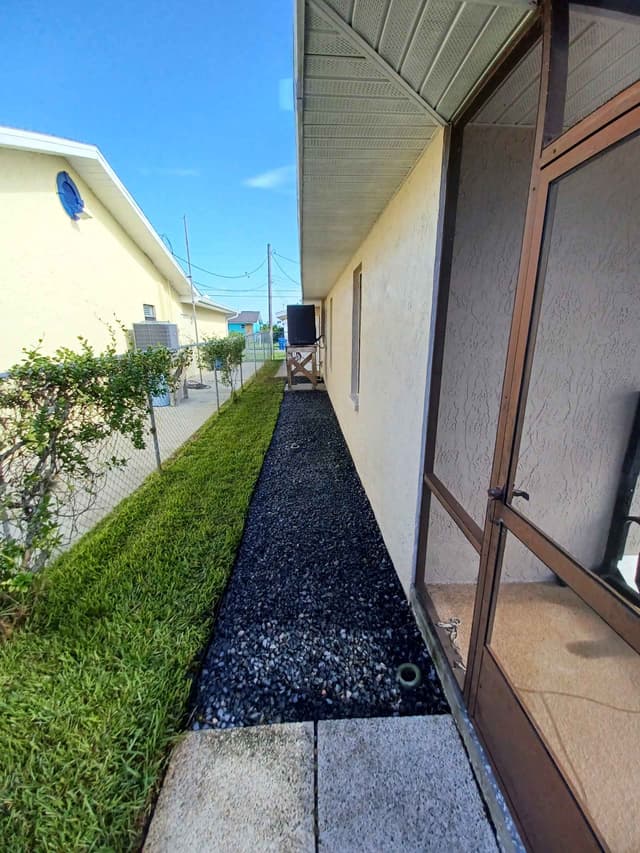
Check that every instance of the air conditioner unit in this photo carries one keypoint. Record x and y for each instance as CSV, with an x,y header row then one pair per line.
x,y
155,334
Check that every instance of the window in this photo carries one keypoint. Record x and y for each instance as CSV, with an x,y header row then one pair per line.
x,y
149,312
355,333
69,195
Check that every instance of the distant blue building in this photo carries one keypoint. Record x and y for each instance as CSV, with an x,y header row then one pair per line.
x,y
246,322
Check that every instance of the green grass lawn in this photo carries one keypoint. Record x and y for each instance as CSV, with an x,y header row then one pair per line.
x,y
93,689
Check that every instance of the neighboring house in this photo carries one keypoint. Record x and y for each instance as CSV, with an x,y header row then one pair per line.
x,y
469,200
78,254
246,322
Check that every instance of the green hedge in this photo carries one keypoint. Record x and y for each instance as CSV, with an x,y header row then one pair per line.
x,y
93,689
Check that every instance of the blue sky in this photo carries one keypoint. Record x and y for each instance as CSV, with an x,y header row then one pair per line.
x,y
191,105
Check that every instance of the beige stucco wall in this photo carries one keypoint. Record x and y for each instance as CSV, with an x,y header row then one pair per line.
x,y
493,190
585,380
60,278
385,431
584,384
211,324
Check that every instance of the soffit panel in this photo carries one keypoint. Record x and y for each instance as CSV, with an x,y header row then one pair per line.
x,y
345,119
373,72
433,43
604,57
353,133
355,144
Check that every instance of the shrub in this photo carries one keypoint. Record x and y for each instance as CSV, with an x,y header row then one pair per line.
x,y
225,354
56,416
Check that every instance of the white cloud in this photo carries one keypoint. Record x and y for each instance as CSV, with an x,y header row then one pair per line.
x,y
274,179
285,94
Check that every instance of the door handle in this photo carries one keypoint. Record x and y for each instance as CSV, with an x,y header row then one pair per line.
x,y
497,493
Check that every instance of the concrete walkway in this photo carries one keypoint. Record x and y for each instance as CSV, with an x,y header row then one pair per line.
x,y
341,786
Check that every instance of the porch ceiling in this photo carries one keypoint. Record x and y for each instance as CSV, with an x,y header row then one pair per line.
x,y
374,80
603,58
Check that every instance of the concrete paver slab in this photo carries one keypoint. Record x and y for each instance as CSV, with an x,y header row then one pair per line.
x,y
246,789
398,784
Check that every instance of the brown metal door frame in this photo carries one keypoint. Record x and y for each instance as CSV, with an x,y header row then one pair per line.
x,y
545,806
555,28
529,771
612,607
432,485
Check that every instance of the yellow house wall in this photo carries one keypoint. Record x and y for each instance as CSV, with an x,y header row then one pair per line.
x,y
60,278
385,430
211,324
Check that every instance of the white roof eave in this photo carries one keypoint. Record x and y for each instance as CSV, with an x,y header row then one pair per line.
x,y
203,302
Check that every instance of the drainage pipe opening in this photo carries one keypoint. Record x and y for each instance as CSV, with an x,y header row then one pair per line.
x,y
408,675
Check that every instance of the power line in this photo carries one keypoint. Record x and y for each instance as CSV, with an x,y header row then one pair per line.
x,y
222,292
218,274
284,272
229,291
284,258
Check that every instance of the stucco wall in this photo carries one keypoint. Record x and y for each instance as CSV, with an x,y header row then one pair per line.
x,y
585,379
61,278
493,189
385,432
211,324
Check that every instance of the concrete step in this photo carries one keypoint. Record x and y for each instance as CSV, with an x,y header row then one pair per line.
x,y
382,784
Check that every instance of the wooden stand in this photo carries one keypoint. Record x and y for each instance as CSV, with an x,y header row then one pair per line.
x,y
297,360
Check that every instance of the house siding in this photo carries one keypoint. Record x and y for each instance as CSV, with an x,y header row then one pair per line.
x,y
211,324
385,432
60,278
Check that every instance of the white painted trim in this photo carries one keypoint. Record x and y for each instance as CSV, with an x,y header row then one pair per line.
x,y
212,306
42,143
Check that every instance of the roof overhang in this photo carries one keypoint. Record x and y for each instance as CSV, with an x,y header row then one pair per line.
x,y
203,302
89,163
374,80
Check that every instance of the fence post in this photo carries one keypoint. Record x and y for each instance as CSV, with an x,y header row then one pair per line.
x,y
241,383
255,357
215,375
154,431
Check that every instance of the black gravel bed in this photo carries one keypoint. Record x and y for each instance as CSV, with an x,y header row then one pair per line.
x,y
302,380
314,623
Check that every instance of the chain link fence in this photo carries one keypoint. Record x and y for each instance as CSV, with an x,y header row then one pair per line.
x,y
173,421
259,348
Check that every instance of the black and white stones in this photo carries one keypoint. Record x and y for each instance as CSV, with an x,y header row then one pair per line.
x,y
314,623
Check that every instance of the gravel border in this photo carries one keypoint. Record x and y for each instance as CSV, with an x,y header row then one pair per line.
x,y
314,623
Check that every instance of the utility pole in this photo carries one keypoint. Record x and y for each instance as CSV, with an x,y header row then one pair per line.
x,y
269,288
193,299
